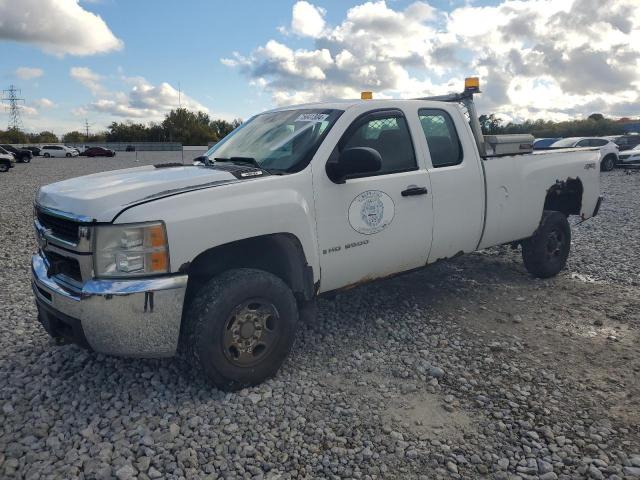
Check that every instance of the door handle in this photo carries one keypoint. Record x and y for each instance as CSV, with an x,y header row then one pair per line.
x,y
414,191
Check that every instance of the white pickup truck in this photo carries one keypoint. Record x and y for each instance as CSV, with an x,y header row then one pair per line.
x,y
216,260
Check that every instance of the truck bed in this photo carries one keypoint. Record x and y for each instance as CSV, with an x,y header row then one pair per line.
x,y
514,183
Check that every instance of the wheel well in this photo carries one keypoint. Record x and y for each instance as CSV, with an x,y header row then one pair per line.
x,y
565,196
280,254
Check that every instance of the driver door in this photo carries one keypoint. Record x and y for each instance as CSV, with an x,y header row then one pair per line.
x,y
378,223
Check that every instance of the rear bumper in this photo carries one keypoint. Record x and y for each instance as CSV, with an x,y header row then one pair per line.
x,y
137,318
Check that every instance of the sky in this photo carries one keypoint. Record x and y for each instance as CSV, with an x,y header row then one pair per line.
x,y
116,60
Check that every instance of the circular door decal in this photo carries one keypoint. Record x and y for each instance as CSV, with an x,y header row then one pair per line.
x,y
371,212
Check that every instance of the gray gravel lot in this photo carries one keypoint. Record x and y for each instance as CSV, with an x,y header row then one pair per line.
x,y
468,369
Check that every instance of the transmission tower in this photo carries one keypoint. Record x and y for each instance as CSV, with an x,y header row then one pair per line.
x,y
10,97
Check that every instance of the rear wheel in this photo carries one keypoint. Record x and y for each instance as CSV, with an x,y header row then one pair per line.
x,y
545,253
26,159
68,155
608,163
47,155
240,327
4,167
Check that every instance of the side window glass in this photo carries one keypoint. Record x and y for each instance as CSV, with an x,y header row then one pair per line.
x,y
582,143
442,138
390,137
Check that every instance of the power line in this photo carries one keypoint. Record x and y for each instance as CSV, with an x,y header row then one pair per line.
x,y
10,97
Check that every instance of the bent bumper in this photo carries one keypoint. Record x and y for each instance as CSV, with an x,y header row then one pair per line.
x,y
138,318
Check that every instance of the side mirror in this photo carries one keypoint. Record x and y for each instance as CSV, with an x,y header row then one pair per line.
x,y
201,160
356,160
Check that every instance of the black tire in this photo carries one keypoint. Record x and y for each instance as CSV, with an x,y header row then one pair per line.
x,y
47,155
545,253
608,163
4,167
214,328
26,159
68,155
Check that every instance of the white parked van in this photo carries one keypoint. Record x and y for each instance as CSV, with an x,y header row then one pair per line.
x,y
58,151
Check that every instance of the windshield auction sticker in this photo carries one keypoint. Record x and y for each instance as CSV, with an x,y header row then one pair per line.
x,y
371,212
312,117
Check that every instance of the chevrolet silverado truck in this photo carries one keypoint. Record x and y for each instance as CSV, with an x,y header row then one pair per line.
x,y
216,260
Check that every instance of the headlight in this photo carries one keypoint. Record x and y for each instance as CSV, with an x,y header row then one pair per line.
x,y
134,249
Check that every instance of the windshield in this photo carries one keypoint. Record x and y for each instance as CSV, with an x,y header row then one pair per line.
x,y
281,141
565,142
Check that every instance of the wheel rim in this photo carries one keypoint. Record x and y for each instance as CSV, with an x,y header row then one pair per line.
x,y
3,167
610,164
251,332
555,245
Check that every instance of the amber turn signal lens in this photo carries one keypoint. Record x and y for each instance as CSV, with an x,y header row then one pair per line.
x,y
156,236
159,262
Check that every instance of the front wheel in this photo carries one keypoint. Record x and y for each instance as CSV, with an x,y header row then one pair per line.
x,y
47,155
608,163
545,253
26,160
240,327
4,167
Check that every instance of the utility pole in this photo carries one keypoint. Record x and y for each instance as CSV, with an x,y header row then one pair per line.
x,y
86,129
10,96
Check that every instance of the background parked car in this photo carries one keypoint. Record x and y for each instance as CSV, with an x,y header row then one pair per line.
x,y
98,152
6,160
627,142
34,150
544,143
130,148
73,148
20,154
630,156
58,151
608,150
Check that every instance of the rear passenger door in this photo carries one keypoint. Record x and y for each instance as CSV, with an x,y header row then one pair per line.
x,y
374,224
457,183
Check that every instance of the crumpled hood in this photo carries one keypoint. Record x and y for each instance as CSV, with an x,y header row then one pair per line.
x,y
102,196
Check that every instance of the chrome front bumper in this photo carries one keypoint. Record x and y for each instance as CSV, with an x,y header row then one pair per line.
x,y
137,318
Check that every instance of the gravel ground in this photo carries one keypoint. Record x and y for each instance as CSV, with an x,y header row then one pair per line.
x,y
468,369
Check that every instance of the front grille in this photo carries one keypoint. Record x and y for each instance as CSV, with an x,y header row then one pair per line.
x,y
59,264
60,227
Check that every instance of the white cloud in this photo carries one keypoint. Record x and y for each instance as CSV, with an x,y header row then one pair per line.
x,y
88,78
28,73
144,101
59,27
29,111
555,58
307,20
44,103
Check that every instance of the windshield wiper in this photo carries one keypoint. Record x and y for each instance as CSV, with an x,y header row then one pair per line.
x,y
251,161
248,160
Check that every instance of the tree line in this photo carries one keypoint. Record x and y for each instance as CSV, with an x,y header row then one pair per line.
x,y
596,125
179,125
